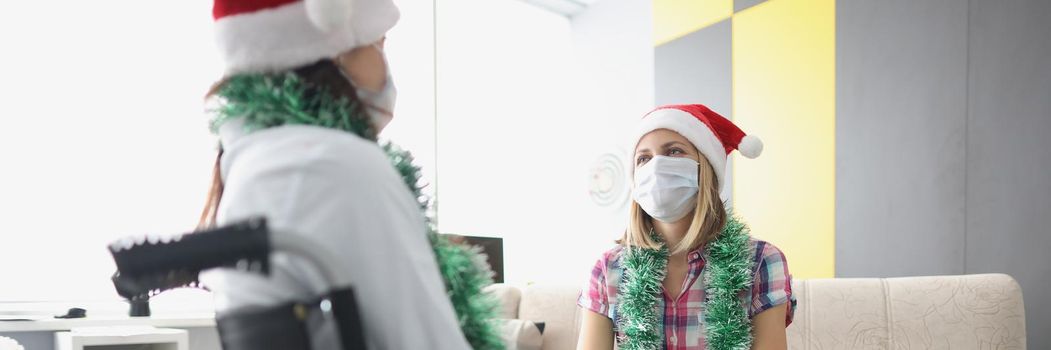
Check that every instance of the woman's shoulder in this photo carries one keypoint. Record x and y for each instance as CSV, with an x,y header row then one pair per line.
x,y
304,146
293,138
763,245
610,258
766,253
613,253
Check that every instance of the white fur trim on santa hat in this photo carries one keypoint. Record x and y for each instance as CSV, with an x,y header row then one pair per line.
x,y
750,146
693,130
285,37
329,15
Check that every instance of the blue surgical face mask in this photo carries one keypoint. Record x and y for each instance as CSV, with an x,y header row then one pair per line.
x,y
666,187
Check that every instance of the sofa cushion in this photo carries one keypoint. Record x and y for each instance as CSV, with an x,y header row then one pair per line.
x,y
556,306
521,334
939,312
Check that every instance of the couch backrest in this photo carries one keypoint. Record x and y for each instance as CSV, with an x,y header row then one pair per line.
x,y
939,312
943,312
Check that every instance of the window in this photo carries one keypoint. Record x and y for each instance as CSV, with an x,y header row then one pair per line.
x,y
103,136
530,103
104,133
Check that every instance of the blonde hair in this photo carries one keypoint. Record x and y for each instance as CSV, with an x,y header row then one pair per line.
x,y
708,217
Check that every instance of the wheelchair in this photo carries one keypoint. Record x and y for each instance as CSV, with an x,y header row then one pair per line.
x,y
149,266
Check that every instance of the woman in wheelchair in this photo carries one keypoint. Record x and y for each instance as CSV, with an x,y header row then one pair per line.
x,y
305,92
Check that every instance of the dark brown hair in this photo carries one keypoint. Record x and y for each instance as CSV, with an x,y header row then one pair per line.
x,y
323,76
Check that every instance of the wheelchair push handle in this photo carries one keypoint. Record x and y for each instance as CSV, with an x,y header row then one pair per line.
x,y
149,265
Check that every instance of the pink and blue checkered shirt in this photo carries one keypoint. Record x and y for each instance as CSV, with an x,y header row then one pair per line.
x,y
683,317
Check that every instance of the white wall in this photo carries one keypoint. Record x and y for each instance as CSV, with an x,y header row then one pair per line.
x,y
614,69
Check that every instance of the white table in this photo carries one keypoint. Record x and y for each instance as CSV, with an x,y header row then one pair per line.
x,y
98,338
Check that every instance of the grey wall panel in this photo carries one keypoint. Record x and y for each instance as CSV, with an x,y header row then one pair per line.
x,y
1009,152
741,5
696,69
943,170
900,128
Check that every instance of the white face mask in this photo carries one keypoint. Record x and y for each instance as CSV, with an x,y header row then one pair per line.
x,y
666,187
378,104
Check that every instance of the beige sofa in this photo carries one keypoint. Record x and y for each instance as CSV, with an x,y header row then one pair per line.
x,y
941,312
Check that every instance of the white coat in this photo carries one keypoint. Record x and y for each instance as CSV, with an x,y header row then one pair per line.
x,y
340,190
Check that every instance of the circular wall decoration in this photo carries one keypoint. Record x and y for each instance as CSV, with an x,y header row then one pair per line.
x,y
607,184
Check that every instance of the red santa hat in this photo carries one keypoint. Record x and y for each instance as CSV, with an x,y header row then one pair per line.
x,y
275,35
712,134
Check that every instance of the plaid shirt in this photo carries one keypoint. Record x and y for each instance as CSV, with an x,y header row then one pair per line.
x,y
683,318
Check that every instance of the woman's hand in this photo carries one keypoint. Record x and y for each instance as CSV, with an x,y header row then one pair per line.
x,y
768,329
596,332
365,66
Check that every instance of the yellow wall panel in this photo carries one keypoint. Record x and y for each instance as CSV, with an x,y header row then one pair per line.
x,y
675,18
784,92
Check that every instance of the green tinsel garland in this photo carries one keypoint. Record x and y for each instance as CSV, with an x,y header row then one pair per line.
x,y
728,271
639,317
269,100
728,268
463,268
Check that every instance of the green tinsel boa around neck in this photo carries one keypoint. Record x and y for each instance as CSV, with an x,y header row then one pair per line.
x,y
728,270
270,100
